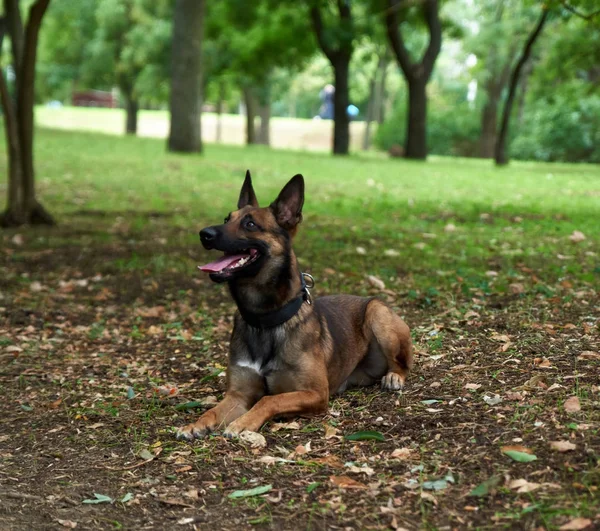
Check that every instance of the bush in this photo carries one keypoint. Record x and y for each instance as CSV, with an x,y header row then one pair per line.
x,y
566,129
452,128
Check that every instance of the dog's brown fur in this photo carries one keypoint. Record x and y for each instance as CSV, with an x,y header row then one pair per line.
x,y
294,368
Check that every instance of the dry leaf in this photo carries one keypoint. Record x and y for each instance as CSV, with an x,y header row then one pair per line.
x,y
575,524
542,363
285,426
376,282
577,237
330,431
361,470
472,386
330,460
302,449
562,446
450,227
516,288
588,355
361,250
254,439
183,469
429,497
67,523
402,453
513,395
522,485
572,405
346,482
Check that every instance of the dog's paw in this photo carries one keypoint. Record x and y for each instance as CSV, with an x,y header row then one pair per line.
x,y
191,432
392,381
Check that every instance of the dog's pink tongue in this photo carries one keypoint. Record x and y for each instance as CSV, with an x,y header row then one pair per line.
x,y
221,263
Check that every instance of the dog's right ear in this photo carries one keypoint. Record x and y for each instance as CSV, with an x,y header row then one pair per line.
x,y
247,195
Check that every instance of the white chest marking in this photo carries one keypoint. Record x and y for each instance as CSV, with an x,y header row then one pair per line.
x,y
254,365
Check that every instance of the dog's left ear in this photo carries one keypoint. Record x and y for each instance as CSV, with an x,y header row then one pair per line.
x,y
288,205
247,195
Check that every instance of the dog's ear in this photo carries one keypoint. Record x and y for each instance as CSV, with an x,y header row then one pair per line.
x,y
247,195
287,208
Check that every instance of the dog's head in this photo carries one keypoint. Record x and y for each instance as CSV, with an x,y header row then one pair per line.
x,y
254,239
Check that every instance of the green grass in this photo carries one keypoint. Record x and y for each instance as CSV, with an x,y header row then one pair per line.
x,y
504,218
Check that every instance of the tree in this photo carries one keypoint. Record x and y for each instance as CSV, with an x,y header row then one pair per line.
x,y
186,77
130,49
336,42
500,154
417,74
22,204
248,43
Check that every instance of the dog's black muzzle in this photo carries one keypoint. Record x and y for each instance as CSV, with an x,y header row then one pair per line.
x,y
210,237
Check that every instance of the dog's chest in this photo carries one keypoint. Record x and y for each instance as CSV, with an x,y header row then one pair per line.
x,y
259,350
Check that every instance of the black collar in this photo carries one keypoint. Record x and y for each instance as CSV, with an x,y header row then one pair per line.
x,y
283,314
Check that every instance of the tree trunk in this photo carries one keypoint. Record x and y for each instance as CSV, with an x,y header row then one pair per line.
x,y
522,93
250,102
35,212
366,144
489,126
131,120
264,135
416,74
381,89
341,100
501,155
186,77
14,25
416,138
220,99
13,215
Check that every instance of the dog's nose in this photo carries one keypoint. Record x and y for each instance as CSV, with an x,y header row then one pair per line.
x,y
208,237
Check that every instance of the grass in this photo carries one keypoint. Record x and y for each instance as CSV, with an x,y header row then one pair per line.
x,y
100,312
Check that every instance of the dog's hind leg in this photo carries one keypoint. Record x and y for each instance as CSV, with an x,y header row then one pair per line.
x,y
391,336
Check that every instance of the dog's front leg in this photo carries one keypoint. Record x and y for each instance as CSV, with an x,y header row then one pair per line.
x,y
300,402
244,388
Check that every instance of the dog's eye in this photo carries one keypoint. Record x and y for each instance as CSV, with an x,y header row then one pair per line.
x,y
250,224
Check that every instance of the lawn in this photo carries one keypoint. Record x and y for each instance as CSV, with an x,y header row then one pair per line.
x,y
109,337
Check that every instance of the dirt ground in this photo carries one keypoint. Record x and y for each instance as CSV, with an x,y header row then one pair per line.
x,y
100,361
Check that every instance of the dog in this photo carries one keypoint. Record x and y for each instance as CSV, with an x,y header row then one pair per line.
x,y
289,353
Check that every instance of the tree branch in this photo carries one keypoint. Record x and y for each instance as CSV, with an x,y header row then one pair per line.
x,y
500,155
14,27
589,16
317,22
395,38
344,9
435,36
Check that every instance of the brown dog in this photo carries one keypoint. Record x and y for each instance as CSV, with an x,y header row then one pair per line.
x,y
288,355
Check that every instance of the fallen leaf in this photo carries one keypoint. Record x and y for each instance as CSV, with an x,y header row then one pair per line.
x,y
576,524
439,484
13,348
254,439
588,355
450,227
516,288
346,482
543,363
576,237
514,395
522,485
360,469
361,250
472,386
429,497
492,401
146,455
572,405
391,252
376,282
518,453
402,453
183,469
330,431
256,491
330,460
562,446
99,498
483,489
67,523
271,460
365,436
285,426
